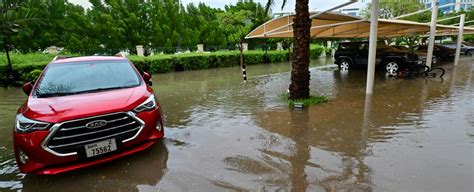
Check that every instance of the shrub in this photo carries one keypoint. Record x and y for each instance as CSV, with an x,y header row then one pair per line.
x,y
25,59
33,75
315,51
28,66
312,100
24,71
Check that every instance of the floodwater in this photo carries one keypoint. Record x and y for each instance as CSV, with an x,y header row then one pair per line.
x,y
222,135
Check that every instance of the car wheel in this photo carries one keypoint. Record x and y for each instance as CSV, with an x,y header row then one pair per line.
x,y
344,65
392,67
469,52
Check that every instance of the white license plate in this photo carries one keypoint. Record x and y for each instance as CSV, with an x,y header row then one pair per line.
x,y
101,147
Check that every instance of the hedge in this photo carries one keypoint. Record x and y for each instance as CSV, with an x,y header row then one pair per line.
x,y
28,66
315,51
195,61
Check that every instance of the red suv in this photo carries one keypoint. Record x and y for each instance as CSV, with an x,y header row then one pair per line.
x,y
84,111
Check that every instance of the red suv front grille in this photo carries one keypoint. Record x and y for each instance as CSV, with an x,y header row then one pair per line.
x,y
71,136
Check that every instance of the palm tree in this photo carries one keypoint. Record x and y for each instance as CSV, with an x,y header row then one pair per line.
x,y
299,87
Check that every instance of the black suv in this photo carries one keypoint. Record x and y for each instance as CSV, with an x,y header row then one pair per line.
x,y
353,54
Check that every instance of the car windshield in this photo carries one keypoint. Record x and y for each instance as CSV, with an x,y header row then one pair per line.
x,y
86,77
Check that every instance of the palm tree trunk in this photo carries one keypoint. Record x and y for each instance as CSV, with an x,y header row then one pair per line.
x,y
299,87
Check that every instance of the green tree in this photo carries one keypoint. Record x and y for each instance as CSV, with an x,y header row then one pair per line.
x,y
257,16
66,26
120,24
237,25
203,25
114,25
393,8
10,23
469,17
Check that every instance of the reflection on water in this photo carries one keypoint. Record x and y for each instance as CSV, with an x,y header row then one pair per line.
x,y
127,174
410,135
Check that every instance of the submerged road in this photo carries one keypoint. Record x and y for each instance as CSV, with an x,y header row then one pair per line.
x,y
410,135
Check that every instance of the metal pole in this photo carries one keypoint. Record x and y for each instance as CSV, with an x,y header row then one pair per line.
x,y
458,45
242,64
465,22
434,17
449,18
374,22
10,76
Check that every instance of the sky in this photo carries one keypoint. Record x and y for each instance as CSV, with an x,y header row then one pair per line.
x,y
318,5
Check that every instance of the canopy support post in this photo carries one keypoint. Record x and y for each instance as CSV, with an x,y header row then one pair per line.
x,y
460,37
431,40
374,22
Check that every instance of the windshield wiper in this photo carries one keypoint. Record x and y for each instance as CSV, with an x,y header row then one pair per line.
x,y
102,89
44,95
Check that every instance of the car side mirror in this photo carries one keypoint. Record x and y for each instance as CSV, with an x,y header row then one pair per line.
x,y
147,78
27,88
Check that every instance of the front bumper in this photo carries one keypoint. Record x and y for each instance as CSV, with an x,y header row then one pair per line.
x,y
41,161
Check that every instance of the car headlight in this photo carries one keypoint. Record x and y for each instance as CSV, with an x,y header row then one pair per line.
x,y
25,125
147,105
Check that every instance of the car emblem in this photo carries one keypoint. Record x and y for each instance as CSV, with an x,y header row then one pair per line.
x,y
96,124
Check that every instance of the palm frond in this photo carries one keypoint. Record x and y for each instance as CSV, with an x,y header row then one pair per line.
x,y
283,4
271,3
268,6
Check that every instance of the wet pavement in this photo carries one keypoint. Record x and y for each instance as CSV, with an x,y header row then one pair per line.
x,y
222,135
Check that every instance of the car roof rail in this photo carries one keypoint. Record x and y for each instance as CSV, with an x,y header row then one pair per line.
x,y
59,57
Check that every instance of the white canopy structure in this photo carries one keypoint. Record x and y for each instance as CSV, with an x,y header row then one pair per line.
x,y
337,25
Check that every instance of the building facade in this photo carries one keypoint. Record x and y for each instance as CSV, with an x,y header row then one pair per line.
x,y
460,5
354,9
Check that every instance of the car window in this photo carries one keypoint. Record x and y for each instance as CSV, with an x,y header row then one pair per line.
x,y
364,47
345,46
74,78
